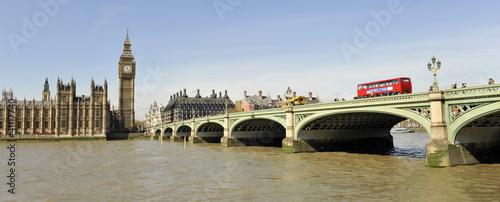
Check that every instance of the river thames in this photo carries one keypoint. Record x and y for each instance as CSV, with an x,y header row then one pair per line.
x,y
150,171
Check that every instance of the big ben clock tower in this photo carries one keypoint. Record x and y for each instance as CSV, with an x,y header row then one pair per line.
x,y
126,75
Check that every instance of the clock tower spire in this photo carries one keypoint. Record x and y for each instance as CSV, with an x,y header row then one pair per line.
x,y
126,75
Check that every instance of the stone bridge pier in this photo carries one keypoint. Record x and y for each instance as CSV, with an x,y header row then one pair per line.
x,y
440,151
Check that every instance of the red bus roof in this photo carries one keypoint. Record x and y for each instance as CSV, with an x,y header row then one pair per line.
x,y
384,80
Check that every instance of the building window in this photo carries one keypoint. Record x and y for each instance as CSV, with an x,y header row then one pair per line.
x,y
19,124
98,112
1,112
97,124
28,124
47,113
64,112
46,124
37,113
63,124
1,124
37,124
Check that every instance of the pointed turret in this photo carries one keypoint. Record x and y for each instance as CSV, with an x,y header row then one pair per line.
x,y
46,85
127,41
46,90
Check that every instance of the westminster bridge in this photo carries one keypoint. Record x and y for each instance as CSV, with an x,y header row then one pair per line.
x,y
463,124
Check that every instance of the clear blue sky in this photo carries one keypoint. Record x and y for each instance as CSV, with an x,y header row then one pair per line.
x,y
323,46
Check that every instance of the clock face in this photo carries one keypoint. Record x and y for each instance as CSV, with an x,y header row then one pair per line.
x,y
127,68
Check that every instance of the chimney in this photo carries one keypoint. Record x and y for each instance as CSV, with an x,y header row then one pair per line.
x,y
214,95
184,95
225,94
244,93
220,94
294,94
170,97
198,93
310,95
260,94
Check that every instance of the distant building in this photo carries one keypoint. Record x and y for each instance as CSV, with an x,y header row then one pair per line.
x,y
154,116
258,102
182,107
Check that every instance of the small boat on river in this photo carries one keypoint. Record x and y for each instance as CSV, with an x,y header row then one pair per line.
x,y
401,130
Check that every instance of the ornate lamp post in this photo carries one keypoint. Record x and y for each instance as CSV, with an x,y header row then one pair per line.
x,y
433,68
288,96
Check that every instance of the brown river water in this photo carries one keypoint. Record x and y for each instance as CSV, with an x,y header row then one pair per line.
x,y
150,171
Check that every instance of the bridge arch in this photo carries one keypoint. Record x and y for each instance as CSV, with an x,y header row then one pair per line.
x,y
405,114
183,130
471,117
168,132
258,132
157,132
210,132
479,132
355,130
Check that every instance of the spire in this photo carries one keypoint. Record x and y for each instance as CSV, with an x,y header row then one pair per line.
x,y
46,85
127,48
127,41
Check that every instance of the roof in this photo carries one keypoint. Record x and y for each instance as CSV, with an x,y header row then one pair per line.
x,y
254,99
198,101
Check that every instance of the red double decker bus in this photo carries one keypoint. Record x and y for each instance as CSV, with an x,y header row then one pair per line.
x,y
395,86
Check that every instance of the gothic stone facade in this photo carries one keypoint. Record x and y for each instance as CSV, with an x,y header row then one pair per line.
x,y
66,115
69,115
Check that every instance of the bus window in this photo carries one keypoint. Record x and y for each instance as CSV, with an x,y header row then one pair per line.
x,y
360,87
406,80
365,86
381,84
395,82
370,85
388,83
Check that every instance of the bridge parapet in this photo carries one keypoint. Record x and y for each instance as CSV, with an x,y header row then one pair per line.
x,y
471,92
384,100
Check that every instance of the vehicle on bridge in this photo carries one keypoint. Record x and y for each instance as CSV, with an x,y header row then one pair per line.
x,y
298,100
394,86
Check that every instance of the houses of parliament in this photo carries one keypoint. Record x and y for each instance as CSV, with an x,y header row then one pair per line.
x,y
68,115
